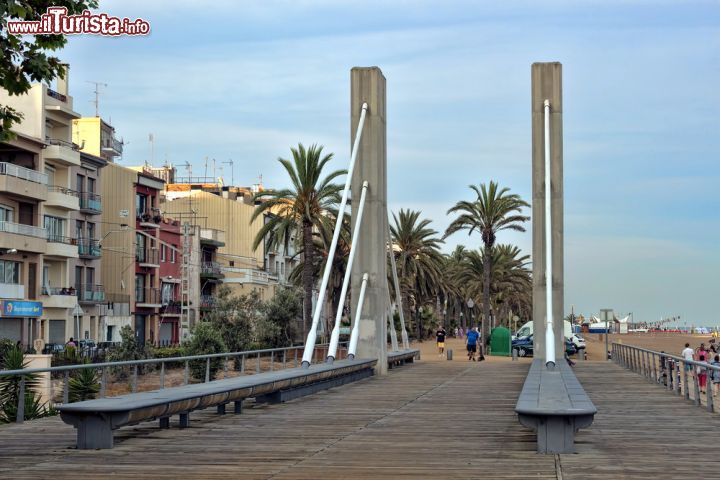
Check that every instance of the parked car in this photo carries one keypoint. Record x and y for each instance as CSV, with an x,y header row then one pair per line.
x,y
578,341
524,346
53,348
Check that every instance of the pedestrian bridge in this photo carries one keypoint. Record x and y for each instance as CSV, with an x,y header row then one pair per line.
x,y
434,419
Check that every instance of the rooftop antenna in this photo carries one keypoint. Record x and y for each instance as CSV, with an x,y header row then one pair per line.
x,y
232,171
97,95
151,139
206,159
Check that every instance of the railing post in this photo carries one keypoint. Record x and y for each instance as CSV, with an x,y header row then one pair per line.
x,y
162,375
20,417
296,358
66,387
696,383
284,358
242,364
187,372
685,382
257,365
103,382
135,378
655,366
708,390
225,367
207,370
272,361
670,373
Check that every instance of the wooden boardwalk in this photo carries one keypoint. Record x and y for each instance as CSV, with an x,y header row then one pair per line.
x,y
428,420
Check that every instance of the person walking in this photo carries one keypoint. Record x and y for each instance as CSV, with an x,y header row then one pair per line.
x,y
715,375
702,373
471,340
440,335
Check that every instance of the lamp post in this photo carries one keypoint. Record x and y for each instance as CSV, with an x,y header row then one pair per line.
x,y
606,315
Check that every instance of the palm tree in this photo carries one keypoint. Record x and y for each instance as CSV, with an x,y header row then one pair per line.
x,y
302,208
416,247
493,210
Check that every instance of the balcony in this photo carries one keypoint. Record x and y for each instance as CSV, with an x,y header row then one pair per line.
x,y
23,182
61,246
148,257
90,203
53,297
27,238
60,151
207,302
211,270
211,236
170,308
62,197
113,147
150,218
148,298
89,248
246,275
12,291
89,293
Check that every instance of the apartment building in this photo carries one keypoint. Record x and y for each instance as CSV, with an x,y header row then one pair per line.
x,y
97,137
60,225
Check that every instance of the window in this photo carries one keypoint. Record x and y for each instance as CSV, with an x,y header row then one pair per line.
x,y
55,227
167,293
50,172
10,271
172,254
6,213
90,184
232,263
141,204
79,228
91,230
140,241
89,276
139,288
80,183
78,279
162,253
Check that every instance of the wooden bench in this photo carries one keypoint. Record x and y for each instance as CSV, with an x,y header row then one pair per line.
x,y
555,405
96,419
401,357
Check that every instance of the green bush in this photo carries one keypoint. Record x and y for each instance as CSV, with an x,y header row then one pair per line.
x,y
5,346
128,350
169,352
84,385
10,390
206,339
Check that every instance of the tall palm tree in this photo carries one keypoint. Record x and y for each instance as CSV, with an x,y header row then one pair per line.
x,y
493,210
416,247
300,207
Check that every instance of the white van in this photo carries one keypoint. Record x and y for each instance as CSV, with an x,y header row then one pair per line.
x,y
527,330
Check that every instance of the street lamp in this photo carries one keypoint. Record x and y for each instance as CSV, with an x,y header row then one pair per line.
x,y
607,315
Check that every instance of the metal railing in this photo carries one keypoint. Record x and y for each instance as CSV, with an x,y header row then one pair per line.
x,y
148,295
89,247
17,171
57,238
675,373
91,293
56,95
90,201
211,268
150,215
62,143
207,301
69,291
150,256
22,229
63,190
246,362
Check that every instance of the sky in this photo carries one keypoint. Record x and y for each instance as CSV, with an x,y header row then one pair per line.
x,y
246,80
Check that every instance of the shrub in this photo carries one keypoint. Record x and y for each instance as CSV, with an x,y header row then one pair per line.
x,y
281,313
5,346
10,389
128,350
169,352
83,385
206,339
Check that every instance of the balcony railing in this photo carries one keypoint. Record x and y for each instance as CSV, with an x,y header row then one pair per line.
x,y
69,291
91,293
62,143
17,171
90,201
171,307
150,296
56,238
150,215
149,256
207,301
63,190
22,229
88,247
211,268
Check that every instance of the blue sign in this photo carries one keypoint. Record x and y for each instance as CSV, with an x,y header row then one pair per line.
x,y
11,308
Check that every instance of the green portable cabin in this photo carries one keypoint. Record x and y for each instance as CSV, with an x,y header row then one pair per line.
x,y
500,342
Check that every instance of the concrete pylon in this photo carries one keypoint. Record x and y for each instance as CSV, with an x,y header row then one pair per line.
x,y
547,85
367,85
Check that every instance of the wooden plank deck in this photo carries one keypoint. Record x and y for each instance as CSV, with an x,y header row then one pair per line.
x,y
428,420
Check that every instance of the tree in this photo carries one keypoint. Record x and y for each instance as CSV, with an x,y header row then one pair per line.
x,y
282,312
300,208
416,247
24,58
234,316
206,339
493,210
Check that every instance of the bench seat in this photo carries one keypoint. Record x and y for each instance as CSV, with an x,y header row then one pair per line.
x,y
555,405
401,357
96,419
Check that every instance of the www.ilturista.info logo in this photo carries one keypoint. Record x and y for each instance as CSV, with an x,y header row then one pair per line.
x,y
57,21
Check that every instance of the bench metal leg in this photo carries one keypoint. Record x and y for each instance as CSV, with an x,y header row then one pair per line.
x,y
164,422
93,433
221,409
238,407
185,420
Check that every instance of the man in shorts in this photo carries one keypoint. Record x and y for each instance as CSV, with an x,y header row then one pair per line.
x,y
440,334
689,355
471,340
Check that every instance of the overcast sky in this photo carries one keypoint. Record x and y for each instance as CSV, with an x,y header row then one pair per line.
x,y
246,80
